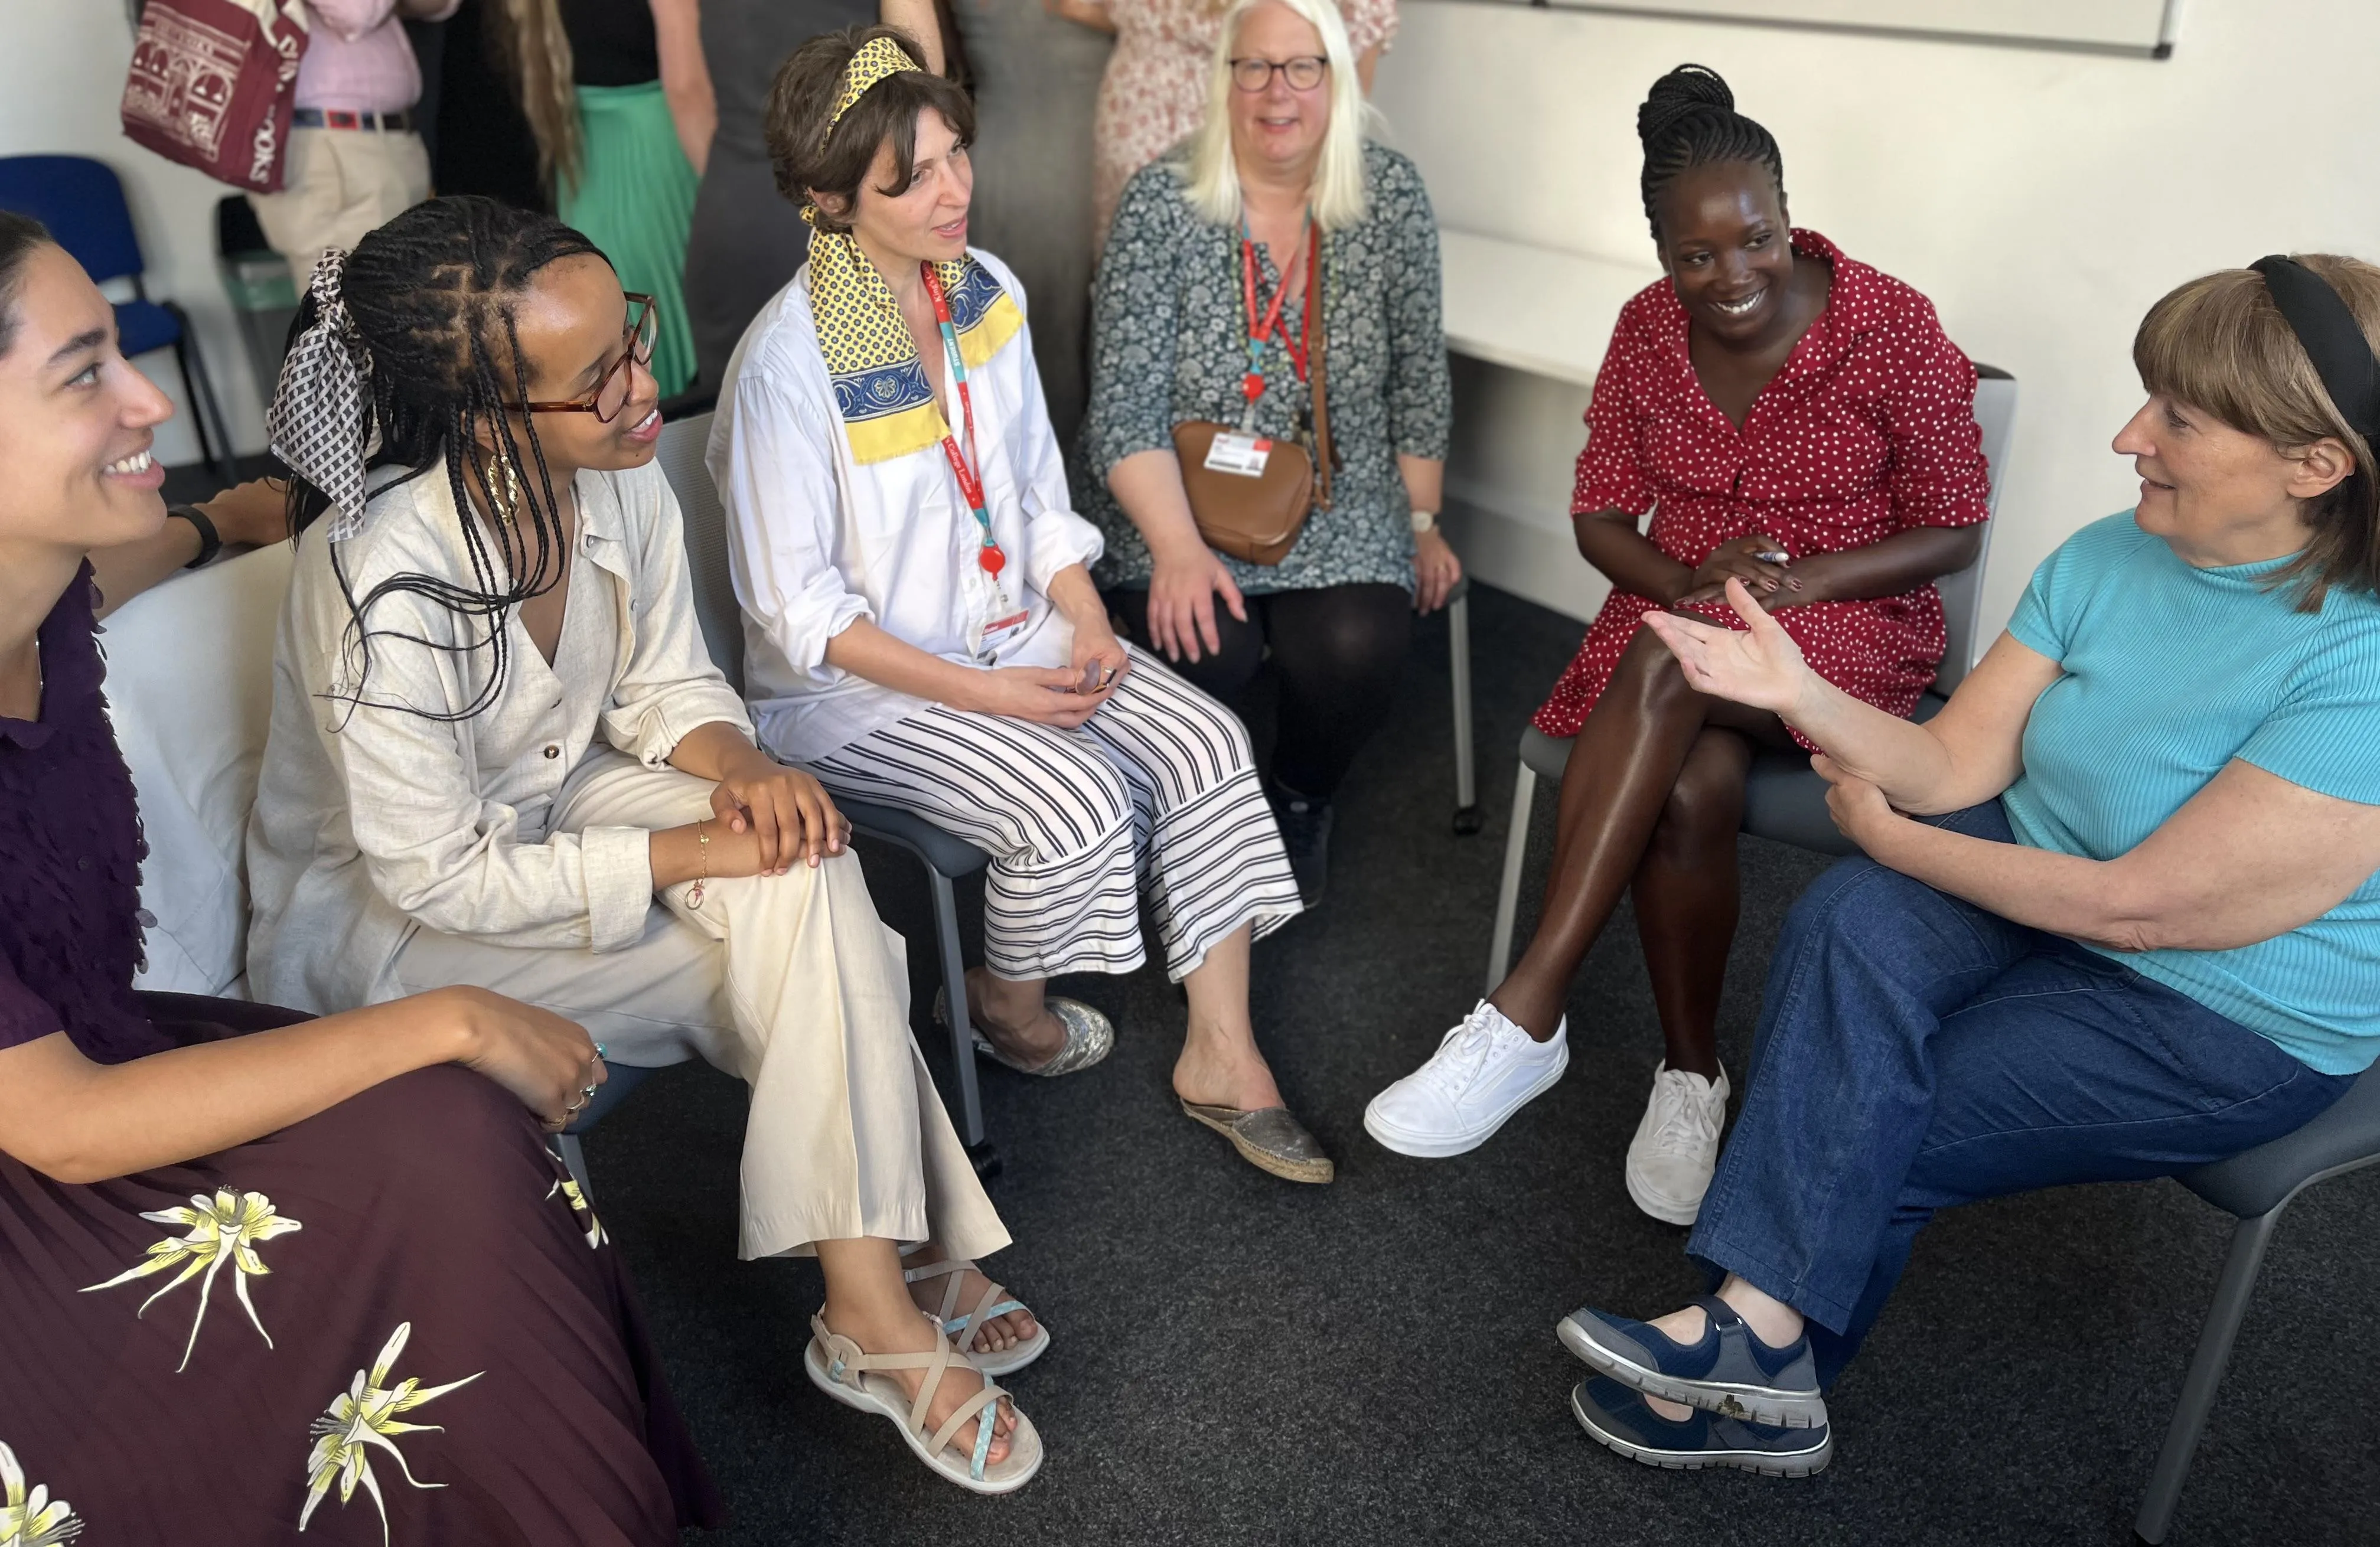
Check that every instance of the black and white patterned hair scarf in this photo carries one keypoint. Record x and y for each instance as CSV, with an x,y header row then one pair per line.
x,y
317,423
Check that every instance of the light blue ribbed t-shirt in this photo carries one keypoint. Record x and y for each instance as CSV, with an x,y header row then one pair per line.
x,y
2169,672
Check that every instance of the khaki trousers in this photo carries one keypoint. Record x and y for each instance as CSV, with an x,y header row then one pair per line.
x,y
336,185
789,983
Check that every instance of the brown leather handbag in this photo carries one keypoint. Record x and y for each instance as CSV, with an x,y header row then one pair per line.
x,y
1257,517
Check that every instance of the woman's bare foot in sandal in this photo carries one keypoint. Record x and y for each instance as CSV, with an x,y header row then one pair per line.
x,y
1000,1332
1016,1016
909,1331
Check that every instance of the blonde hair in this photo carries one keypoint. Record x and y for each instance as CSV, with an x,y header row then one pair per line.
x,y
1338,199
535,51
2220,345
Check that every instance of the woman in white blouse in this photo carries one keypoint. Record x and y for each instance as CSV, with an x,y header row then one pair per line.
x,y
921,626
500,757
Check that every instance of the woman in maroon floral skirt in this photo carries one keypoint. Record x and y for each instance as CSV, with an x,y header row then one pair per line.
x,y
259,1274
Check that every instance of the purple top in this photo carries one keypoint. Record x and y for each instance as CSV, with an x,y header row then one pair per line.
x,y
70,878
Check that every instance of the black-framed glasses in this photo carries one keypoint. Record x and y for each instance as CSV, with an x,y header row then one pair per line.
x,y
1304,72
610,395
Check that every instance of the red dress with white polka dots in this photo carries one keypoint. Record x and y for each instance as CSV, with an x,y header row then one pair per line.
x,y
1869,430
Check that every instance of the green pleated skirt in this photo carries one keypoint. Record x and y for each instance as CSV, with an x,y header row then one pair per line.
x,y
635,199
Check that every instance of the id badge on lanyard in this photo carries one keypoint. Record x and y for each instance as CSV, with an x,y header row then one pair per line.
x,y
999,619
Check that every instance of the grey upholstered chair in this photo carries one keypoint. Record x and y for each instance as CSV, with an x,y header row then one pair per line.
x,y
2253,1188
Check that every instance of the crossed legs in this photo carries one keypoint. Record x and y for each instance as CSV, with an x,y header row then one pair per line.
x,y
1650,802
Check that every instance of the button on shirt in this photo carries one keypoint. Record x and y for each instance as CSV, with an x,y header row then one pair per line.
x,y
370,819
357,57
816,541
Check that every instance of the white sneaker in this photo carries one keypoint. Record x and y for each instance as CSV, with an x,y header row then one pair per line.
x,y
1485,1070
1676,1147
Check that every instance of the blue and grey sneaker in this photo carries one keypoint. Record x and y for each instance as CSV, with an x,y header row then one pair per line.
x,y
1617,1418
1728,1371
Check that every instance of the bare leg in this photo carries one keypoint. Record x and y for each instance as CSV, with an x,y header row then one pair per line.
x,y
1688,894
867,1303
1013,1012
1219,1065
1621,773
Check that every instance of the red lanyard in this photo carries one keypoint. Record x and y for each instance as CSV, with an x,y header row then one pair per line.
x,y
1251,385
970,482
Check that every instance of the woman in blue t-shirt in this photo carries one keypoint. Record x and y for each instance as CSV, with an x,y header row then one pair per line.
x,y
2120,916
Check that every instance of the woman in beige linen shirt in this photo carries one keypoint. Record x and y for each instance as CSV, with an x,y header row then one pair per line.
x,y
500,755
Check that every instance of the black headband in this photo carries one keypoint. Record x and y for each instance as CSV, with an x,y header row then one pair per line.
x,y
2332,339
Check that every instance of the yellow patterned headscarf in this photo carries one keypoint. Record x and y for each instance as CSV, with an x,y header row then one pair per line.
x,y
875,58
881,386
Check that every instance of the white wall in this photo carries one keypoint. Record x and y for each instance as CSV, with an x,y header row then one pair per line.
x,y
2043,199
61,77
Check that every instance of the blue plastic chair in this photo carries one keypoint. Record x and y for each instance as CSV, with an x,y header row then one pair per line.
x,y
82,202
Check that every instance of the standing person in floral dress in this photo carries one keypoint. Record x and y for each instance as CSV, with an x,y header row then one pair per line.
x,y
1791,418
259,1271
1154,94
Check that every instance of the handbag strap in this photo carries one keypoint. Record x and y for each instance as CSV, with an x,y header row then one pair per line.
x,y
1318,328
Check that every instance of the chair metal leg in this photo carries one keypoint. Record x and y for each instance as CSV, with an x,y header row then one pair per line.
x,y
1467,819
1508,894
2232,1292
574,1158
946,940
215,447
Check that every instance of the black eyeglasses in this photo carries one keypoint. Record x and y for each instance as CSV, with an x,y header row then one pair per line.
x,y
1304,72
610,395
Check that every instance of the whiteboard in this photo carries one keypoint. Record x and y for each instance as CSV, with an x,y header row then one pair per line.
x,y
2141,27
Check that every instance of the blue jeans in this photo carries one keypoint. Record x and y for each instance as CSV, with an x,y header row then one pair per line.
x,y
1915,1051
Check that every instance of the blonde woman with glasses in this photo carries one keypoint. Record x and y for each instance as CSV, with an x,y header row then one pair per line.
x,y
1154,94
1277,249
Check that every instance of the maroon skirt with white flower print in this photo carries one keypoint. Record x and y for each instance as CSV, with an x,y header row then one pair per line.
x,y
394,1321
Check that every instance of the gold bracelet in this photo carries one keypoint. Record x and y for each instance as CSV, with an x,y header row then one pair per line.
x,y
702,841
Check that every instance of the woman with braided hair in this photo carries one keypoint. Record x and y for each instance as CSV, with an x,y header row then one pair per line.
x,y
260,1271
1793,419
500,755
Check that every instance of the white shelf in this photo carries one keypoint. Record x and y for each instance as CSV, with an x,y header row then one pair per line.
x,y
1533,308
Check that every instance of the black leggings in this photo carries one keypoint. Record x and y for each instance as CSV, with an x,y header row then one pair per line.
x,y
1338,650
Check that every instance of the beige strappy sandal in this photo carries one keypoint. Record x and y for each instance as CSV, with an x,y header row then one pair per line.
x,y
845,1371
964,1329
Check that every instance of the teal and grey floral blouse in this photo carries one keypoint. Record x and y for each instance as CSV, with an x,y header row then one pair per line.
x,y
1169,343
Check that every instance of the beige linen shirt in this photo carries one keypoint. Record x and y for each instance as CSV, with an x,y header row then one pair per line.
x,y
371,818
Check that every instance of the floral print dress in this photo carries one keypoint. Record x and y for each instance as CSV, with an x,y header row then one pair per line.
x,y
394,1322
1169,343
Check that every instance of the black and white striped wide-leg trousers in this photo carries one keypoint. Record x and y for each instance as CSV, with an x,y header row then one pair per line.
x,y
1158,787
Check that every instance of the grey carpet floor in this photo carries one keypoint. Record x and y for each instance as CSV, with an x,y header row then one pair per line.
x,y
1237,1359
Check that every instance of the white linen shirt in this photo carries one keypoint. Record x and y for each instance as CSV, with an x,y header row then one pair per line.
x,y
816,541
370,819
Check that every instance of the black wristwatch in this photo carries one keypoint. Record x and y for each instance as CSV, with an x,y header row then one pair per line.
x,y
210,541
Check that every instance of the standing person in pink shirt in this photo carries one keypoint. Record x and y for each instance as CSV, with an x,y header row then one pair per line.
x,y
355,159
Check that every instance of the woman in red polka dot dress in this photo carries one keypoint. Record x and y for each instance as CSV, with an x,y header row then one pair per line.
x,y
1793,418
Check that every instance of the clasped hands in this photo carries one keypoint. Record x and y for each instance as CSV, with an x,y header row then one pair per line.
x,y
1757,560
1760,665
772,817
1063,696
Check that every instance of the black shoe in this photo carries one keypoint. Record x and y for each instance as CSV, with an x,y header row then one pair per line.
x,y
1305,833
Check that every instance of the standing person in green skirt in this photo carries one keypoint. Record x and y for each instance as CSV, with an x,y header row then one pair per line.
x,y
620,103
